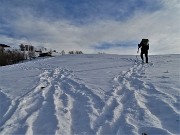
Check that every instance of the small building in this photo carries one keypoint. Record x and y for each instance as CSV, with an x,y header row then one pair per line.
x,y
2,46
43,51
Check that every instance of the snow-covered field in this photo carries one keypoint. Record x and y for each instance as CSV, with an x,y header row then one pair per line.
x,y
91,94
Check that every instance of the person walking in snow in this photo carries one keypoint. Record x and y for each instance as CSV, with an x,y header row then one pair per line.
x,y
144,45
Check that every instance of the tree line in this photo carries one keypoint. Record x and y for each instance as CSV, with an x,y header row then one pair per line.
x,y
10,57
13,56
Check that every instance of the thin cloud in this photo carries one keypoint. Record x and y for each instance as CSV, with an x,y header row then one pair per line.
x,y
90,31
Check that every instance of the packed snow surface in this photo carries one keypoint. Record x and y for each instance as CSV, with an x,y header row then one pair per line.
x,y
91,94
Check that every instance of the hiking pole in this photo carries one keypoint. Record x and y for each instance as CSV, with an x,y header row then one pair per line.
x,y
136,56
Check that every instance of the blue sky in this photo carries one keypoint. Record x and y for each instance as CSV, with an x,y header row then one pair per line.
x,y
111,26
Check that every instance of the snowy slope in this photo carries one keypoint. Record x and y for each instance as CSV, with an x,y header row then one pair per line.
x,y
91,94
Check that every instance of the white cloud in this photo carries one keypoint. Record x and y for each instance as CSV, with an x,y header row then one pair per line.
x,y
161,27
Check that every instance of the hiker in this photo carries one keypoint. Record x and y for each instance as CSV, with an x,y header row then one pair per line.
x,y
144,45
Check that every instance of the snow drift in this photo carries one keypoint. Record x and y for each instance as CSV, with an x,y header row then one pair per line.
x,y
91,94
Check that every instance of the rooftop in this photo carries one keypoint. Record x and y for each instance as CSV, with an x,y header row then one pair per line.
x,y
3,45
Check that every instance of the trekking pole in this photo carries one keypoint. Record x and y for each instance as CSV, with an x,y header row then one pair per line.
x,y
136,59
136,56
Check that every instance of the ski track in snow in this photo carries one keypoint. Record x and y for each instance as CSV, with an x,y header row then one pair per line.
x,y
71,107
136,96
58,98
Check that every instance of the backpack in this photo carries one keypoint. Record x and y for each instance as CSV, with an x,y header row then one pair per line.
x,y
144,44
